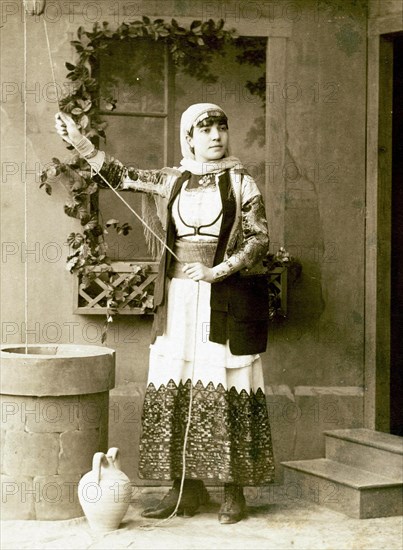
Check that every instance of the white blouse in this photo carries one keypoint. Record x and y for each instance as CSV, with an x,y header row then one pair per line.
x,y
197,213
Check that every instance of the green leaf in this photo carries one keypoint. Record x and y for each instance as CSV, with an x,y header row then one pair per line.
x,y
109,106
75,240
71,263
93,188
124,229
104,333
84,104
70,208
84,121
120,295
91,224
75,210
51,172
70,66
220,24
149,302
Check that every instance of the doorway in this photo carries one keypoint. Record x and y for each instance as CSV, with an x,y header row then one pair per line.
x,y
396,313
384,235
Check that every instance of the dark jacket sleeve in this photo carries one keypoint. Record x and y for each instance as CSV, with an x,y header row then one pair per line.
x,y
253,239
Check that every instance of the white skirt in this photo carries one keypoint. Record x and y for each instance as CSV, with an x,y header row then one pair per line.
x,y
185,352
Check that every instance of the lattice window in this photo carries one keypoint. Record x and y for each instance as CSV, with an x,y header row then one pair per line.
x,y
277,281
92,299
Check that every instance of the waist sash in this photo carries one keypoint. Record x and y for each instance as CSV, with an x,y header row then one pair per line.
x,y
189,252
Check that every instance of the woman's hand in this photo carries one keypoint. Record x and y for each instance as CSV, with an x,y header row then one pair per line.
x,y
199,272
67,129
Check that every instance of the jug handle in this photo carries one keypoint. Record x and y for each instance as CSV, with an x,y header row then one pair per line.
x,y
114,455
97,461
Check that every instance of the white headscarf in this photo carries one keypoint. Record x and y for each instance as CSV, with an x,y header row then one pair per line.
x,y
189,118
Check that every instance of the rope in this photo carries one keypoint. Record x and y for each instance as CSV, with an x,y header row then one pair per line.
x,y
25,190
50,59
185,439
135,213
186,436
148,527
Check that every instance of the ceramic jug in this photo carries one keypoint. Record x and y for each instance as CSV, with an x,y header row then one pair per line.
x,y
104,492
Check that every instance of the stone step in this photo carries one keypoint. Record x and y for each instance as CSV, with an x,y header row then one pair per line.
x,y
354,492
376,452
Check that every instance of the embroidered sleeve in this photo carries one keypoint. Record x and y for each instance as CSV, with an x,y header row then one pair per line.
x,y
121,177
255,240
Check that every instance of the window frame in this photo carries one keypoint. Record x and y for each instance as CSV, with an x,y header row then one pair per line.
x,y
168,114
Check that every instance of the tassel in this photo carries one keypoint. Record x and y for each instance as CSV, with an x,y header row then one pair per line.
x,y
149,213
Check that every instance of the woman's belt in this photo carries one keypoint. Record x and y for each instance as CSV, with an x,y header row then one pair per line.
x,y
189,252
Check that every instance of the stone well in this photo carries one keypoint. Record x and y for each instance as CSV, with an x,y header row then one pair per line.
x,y
54,417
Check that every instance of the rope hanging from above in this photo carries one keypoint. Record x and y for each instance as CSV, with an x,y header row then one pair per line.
x,y
25,189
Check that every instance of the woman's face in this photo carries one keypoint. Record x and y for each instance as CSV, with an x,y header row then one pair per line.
x,y
209,142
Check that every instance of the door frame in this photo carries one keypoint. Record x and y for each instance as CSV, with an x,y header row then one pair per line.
x,y
378,221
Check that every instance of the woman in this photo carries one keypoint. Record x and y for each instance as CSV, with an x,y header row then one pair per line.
x,y
211,318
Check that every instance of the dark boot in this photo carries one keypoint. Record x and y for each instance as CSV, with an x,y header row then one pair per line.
x,y
233,508
188,506
166,506
196,491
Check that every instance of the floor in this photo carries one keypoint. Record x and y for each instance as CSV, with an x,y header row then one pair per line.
x,y
271,524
